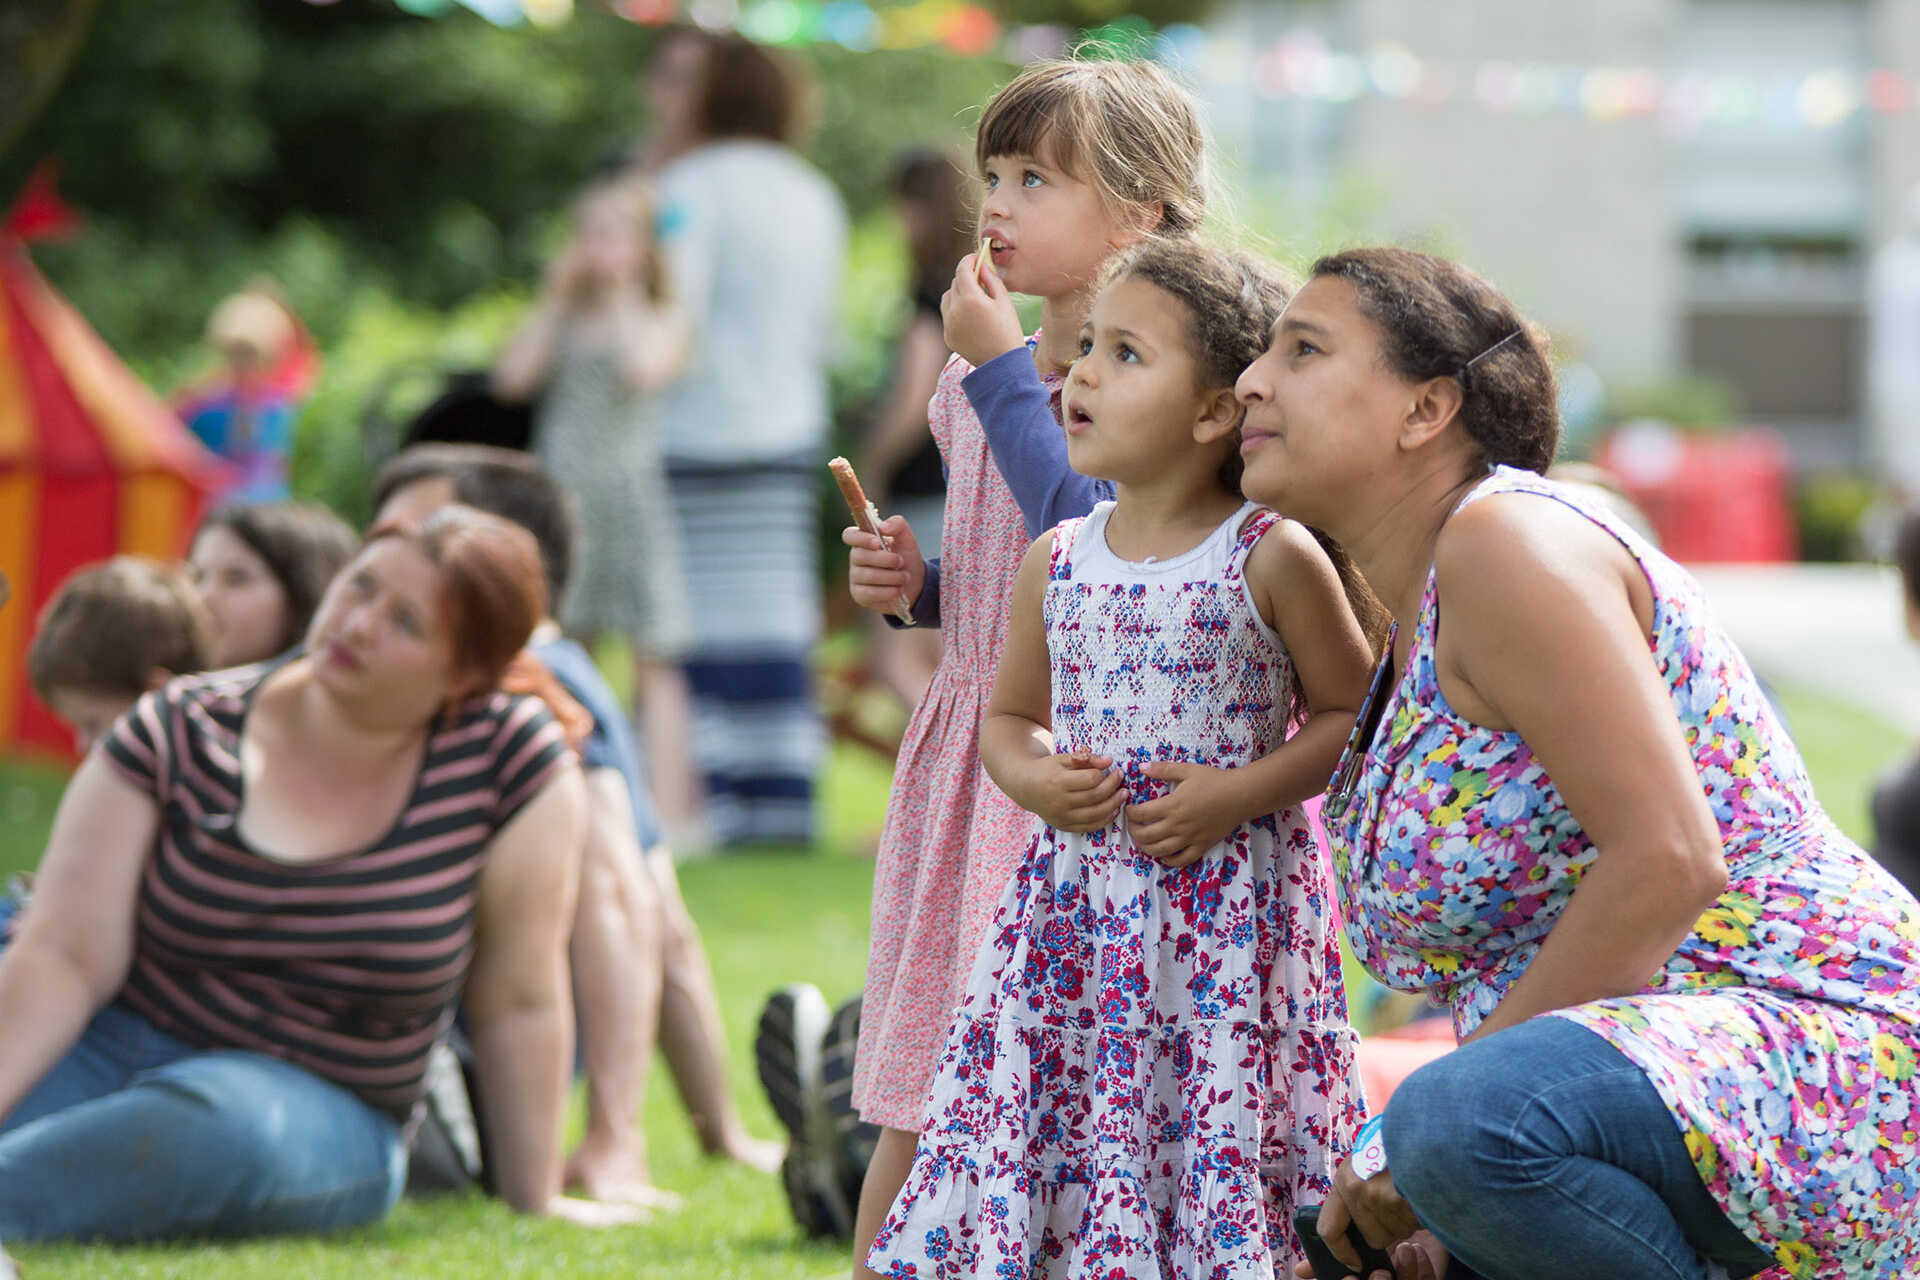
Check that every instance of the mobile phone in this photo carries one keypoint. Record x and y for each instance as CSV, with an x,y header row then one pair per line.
x,y
1325,1265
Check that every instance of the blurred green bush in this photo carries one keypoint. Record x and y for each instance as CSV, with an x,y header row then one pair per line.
x,y
1829,508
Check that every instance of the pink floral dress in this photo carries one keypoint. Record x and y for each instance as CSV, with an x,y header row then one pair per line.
x,y
1151,1066
1783,1034
952,839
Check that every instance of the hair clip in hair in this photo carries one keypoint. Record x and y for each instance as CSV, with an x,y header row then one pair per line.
x,y
1467,368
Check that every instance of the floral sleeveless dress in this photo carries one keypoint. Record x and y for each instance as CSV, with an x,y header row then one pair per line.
x,y
1151,1066
952,839
600,440
1784,1032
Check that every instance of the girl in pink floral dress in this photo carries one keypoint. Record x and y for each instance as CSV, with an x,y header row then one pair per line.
x,y
1152,1065
1077,159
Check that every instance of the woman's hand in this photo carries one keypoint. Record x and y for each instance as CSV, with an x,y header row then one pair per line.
x,y
879,579
1374,1205
1385,1219
1070,790
978,313
1203,809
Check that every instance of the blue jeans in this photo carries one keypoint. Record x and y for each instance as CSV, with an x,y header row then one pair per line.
x,y
1544,1151
134,1136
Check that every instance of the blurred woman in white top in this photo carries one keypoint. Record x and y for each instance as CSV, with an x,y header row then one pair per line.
x,y
756,238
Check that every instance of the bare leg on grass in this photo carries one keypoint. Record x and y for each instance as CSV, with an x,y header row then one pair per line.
x,y
615,952
666,734
692,1036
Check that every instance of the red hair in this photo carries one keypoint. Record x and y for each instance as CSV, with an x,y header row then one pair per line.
x,y
493,592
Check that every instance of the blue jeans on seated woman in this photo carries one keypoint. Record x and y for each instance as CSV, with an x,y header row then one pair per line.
x,y
136,1136
1544,1151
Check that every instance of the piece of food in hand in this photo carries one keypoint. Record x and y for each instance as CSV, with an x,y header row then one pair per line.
x,y
867,516
981,260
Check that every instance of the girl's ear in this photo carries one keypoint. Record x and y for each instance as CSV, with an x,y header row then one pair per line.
x,y
1138,222
157,676
1220,412
1435,404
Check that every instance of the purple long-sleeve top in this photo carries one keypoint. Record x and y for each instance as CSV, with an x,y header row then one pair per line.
x,y
1015,411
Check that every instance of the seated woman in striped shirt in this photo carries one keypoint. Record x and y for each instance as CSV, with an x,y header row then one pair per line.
x,y
265,890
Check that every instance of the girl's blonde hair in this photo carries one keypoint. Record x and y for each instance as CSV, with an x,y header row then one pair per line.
x,y
636,195
1126,127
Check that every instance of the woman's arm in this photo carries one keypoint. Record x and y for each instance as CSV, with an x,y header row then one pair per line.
x,y
900,426
1298,592
1074,792
523,368
518,997
73,946
1543,630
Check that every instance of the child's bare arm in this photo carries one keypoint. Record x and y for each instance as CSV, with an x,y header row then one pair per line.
x,y
1299,593
650,343
527,360
1074,791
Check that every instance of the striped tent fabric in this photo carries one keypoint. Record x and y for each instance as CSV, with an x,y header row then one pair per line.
x,y
92,465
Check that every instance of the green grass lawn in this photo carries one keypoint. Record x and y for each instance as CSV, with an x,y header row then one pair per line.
x,y
769,918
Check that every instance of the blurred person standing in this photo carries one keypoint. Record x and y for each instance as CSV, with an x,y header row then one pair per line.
x,y
900,461
755,239
603,339
1893,352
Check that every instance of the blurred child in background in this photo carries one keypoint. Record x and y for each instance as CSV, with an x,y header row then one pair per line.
x,y
245,410
112,632
605,335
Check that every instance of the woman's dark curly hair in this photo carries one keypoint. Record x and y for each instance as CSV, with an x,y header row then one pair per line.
x,y
1440,320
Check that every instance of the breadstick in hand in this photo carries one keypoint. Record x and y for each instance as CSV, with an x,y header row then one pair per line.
x,y
981,260
867,516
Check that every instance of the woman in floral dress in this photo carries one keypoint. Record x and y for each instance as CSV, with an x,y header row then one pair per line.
x,y
1572,799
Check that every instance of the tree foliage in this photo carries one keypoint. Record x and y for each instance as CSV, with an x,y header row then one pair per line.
x,y
37,39
403,176
354,145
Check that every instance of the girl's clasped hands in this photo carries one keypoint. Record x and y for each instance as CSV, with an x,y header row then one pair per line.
x,y
1082,792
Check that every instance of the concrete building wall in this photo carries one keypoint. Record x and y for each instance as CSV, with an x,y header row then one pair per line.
x,y
1571,216
1895,145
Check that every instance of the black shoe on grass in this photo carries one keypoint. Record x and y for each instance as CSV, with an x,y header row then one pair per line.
x,y
786,1049
854,1137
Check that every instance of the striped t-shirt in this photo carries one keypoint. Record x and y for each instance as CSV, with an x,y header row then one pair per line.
x,y
348,967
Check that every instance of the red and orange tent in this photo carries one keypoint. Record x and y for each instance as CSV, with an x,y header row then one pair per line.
x,y
92,464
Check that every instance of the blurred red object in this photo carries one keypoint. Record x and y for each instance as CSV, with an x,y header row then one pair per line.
x,y
1388,1057
40,213
1720,498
